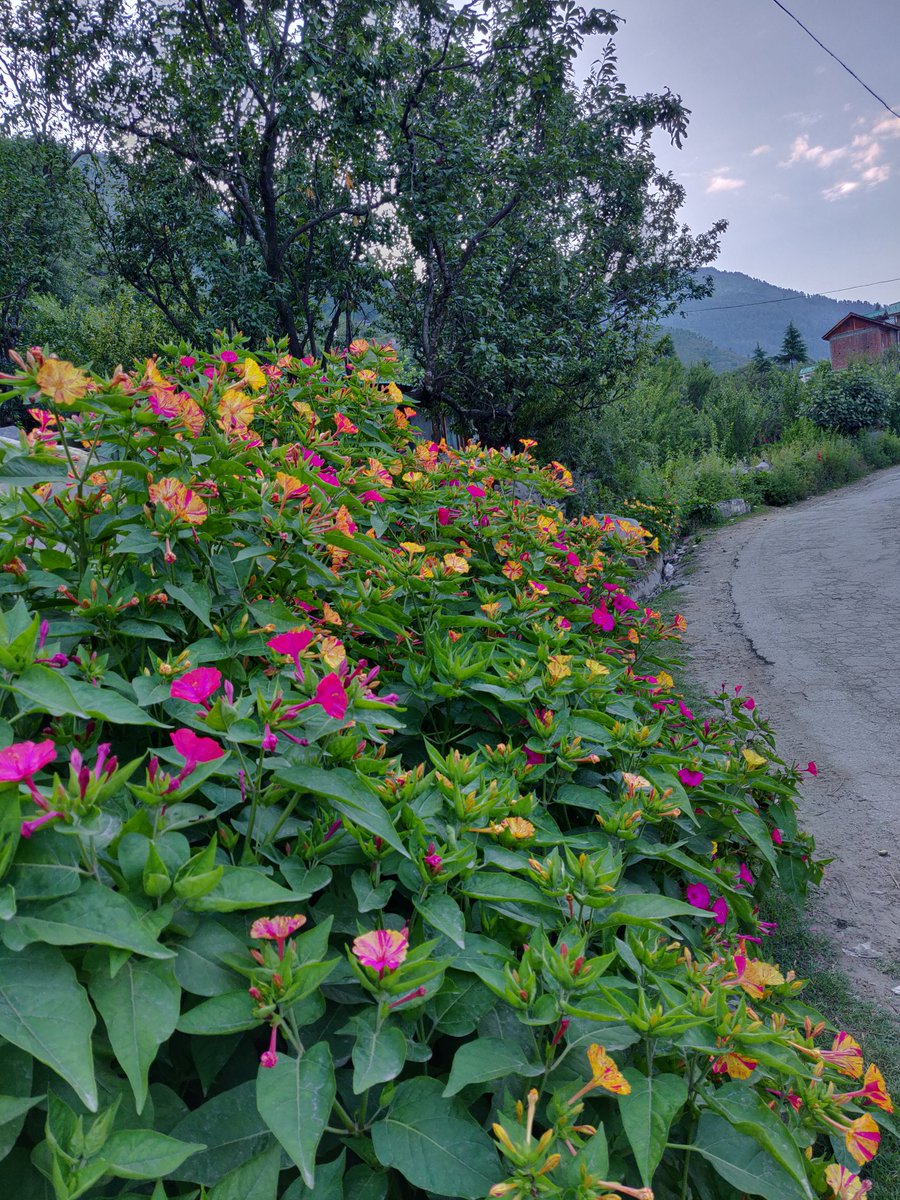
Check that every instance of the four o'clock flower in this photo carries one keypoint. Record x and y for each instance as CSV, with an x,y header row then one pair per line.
x,y
292,643
874,1089
194,750
433,860
343,424
690,778
20,761
277,929
196,686
382,949
698,895
844,1184
331,695
861,1137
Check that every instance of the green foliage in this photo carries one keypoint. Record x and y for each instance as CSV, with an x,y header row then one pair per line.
x,y
847,401
793,348
506,221
355,837
104,331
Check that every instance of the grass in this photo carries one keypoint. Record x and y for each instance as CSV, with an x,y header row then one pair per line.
x,y
813,956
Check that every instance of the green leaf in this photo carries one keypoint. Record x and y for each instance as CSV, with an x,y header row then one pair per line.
x,y
139,1007
109,705
46,867
435,1144
348,796
253,1180
487,1058
444,914
643,908
461,1003
199,967
742,1161
510,895
232,1012
93,915
329,1182
48,690
195,597
27,472
370,898
145,1154
378,1054
46,1011
647,1114
18,1073
243,887
749,1114
295,1099
231,1129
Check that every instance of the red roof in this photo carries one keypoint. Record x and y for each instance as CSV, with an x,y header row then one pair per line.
x,y
859,317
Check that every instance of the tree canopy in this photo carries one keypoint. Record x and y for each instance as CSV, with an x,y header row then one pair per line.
x,y
302,171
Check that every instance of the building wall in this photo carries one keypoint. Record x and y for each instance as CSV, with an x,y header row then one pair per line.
x,y
866,341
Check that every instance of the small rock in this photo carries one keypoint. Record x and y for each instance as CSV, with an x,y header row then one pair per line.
x,y
896,991
882,853
863,950
669,570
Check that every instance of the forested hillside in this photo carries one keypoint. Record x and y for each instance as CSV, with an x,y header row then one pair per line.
x,y
763,321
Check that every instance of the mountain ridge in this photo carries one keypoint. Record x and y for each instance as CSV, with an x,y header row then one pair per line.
x,y
744,311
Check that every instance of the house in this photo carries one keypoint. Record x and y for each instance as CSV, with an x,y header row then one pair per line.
x,y
858,336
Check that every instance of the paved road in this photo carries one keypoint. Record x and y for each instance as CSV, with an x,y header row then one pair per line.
x,y
802,606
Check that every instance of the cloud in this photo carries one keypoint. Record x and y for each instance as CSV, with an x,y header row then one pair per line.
x,y
722,183
760,150
842,189
862,159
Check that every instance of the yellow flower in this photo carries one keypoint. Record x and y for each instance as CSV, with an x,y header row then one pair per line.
x,y
456,564
664,681
596,668
236,411
752,759
491,610
394,392
253,374
62,382
178,500
605,1072
329,615
333,652
412,548
558,667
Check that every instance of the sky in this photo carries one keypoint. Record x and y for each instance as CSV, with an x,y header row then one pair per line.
x,y
783,143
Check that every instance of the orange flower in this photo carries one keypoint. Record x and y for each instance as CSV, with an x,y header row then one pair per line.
x,y
736,1065
875,1089
845,1055
178,500
512,570
289,487
343,424
844,1184
756,978
189,413
455,564
236,411
862,1139
62,382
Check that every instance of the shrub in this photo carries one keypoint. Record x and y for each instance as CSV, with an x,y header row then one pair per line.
x,y
847,401
356,839
880,448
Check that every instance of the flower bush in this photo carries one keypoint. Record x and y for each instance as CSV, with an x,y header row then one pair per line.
x,y
355,838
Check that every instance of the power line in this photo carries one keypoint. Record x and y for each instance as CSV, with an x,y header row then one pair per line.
x,y
783,299
849,70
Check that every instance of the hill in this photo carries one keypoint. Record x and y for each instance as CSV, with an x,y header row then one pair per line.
x,y
744,311
692,348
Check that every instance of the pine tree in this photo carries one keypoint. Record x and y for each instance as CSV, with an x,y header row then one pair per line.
x,y
793,348
760,359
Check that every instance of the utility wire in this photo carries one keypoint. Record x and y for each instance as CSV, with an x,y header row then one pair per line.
x,y
849,70
784,299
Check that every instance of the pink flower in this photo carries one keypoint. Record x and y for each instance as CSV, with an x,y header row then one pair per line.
x,y
343,424
720,910
685,711
572,559
196,686
332,697
270,740
623,603
777,838
328,476
209,372
433,859
744,875
382,949
291,643
749,704
372,497
21,760
163,408
27,828
228,356
277,929
446,516
690,778
474,490
413,995
187,361
603,617
812,769
195,750
269,1058
698,895
533,757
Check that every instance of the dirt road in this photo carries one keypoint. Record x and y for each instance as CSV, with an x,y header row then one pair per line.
x,y
802,606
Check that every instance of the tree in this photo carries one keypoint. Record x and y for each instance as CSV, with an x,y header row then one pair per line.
x,y
793,348
290,169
